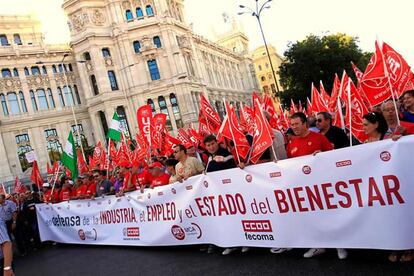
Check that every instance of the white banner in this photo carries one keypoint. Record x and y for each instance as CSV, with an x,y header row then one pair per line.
x,y
360,197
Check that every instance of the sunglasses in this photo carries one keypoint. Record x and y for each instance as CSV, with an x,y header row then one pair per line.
x,y
319,120
96,176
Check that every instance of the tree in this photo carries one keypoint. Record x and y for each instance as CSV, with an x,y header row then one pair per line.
x,y
318,58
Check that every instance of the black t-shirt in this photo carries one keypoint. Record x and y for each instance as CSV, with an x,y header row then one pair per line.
x,y
229,162
337,137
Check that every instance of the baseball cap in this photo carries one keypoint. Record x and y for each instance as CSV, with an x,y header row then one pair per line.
x,y
156,165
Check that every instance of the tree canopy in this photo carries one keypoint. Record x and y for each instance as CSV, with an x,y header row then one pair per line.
x,y
318,59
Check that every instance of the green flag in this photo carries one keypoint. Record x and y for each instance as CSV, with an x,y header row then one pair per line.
x,y
69,157
115,130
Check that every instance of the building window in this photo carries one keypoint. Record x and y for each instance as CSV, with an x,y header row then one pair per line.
x,y
176,110
13,103
129,16
149,10
139,13
151,103
54,69
41,97
17,40
35,70
163,108
153,69
23,147
33,100
61,98
44,70
86,56
157,41
3,40
137,47
103,122
263,78
77,94
60,67
112,80
266,89
53,146
6,73
23,102
106,53
67,90
4,104
70,67
94,84
260,67
26,71
123,120
15,72
79,135
51,100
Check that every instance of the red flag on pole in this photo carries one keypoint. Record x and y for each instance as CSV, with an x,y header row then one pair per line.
x,y
211,116
325,98
145,123
36,177
293,108
262,138
335,94
318,105
159,122
49,169
19,187
82,166
358,73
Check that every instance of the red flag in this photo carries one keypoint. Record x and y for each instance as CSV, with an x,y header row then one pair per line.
x,y
211,116
283,121
19,187
202,125
262,138
309,107
270,109
159,122
36,177
357,109
232,131
113,153
195,137
318,104
82,167
184,138
97,154
247,118
293,108
300,106
92,163
333,105
144,118
358,73
398,70
49,169
141,149
374,81
324,95
170,143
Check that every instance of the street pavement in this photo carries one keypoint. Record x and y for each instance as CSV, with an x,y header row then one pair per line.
x,y
188,260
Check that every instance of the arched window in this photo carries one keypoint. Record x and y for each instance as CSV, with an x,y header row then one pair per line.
x,y
94,84
149,10
54,69
139,13
15,72
151,103
41,97
68,95
53,146
176,110
70,67
44,70
17,40
4,104
163,108
23,147
23,102
153,69
35,70
137,46
6,73
79,135
33,100
103,122
26,71
61,98
86,56
3,40
60,66
13,103
77,94
157,41
106,53
112,80
51,100
129,16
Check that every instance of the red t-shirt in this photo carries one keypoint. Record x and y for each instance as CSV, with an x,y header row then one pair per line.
x,y
65,194
82,190
163,179
47,197
91,190
143,178
312,142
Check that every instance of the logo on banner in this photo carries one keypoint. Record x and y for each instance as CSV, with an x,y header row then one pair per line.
x,y
174,191
306,170
226,181
206,184
343,163
385,156
257,230
249,178
275,174
178,232
131,233
88,234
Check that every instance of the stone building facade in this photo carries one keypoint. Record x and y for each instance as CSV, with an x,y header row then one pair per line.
x,y
122,54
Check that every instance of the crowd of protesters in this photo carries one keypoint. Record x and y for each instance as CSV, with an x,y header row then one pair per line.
x,y
306,136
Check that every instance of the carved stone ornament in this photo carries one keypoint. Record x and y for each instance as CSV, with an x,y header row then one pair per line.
x,y
109,62
98,18
126,5
78,22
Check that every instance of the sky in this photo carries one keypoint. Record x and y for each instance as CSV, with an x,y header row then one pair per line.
x,y
286,21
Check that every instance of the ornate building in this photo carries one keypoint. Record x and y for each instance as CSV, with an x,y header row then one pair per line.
x,y
264,71
122,54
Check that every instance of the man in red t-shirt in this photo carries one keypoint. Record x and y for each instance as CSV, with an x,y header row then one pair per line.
x,y
306,142
159,177
81,190
66,193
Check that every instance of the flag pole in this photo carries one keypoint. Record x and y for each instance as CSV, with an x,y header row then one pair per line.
x,y
350,111
231,131
54,181
338,102
107,165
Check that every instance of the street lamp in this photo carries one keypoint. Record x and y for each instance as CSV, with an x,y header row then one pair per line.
x,y
65,77
257,13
